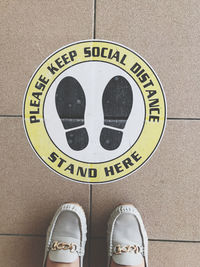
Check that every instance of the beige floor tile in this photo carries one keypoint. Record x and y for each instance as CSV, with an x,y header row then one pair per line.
x,y
165,190
30,31
167,254
163,254
30,192
98,253
23,251
166,34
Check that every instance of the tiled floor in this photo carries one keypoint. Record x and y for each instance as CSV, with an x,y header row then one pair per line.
x,y
166,190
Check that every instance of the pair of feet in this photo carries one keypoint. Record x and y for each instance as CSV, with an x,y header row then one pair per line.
x,y
66,238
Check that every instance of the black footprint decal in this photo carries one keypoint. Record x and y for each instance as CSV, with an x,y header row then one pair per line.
x,y
70,104
117,104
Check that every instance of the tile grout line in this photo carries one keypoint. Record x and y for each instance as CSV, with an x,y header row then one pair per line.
x,y
90,188
186,119
101,237
90,228
181,119
10,116
160,240
174,241
94,19
23,235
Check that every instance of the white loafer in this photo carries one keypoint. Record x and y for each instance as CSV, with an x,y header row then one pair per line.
x,y
127,237
66,235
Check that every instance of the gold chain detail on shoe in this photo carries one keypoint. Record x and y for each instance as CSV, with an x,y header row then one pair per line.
x,y
119,249
62,245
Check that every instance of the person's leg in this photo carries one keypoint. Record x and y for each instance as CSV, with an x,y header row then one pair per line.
x,y
58,264
113,264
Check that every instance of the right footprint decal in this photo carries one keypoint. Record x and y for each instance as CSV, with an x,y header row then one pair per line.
x,y
117,104
70,105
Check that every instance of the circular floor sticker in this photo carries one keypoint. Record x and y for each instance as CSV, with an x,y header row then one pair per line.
x,y
94,111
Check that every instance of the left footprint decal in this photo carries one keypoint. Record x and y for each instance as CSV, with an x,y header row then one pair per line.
x,y
70,105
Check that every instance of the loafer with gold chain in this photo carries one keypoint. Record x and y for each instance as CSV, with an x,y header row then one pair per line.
x,y
127,237
66,235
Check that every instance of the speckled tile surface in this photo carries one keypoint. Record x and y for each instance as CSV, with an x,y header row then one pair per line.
x,y
165,190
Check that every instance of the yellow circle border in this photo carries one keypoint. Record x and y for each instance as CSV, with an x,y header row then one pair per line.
x,y
142,148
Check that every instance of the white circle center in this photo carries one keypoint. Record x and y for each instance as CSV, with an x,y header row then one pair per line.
x,y
93,78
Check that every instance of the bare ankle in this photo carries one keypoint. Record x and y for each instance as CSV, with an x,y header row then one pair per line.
x,y
59,264
113,264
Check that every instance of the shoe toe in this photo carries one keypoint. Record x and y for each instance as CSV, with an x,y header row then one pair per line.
x,y
126,230
68,225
